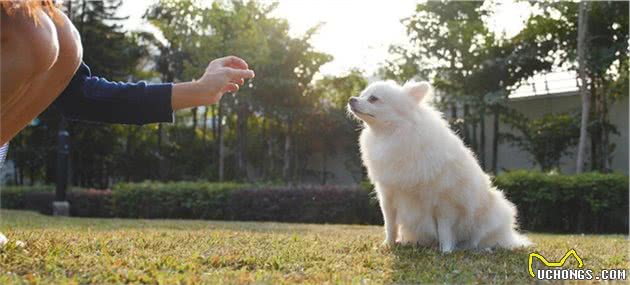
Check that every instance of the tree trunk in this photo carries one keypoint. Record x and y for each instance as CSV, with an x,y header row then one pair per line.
x,y
82,17
597,132
193,112
31,176
495,140
205,123
270,153
286,170
241,121
473,138
213,108
295,173
159,138
265,139
465,130
482,136
220,141
21,176
160,134
454,112
128,153
324,168
605,132
15,174
582,30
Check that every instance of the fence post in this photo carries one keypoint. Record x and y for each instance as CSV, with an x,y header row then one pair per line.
x,y
61,207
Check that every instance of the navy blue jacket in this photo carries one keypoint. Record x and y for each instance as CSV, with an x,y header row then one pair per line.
x,y
95,99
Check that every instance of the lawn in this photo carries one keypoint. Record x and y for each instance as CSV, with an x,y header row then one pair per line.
x,y
80,250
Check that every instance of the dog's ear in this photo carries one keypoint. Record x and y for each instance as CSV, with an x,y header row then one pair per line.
x,y
418,90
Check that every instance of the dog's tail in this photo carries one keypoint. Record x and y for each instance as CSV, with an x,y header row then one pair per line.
x,y
509,236
514,239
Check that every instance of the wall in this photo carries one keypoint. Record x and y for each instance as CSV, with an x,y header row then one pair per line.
x,y
511,157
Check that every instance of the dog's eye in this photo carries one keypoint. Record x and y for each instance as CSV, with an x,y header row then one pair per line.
x,y
372,99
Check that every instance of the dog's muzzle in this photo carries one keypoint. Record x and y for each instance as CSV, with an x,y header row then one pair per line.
x,y
352,103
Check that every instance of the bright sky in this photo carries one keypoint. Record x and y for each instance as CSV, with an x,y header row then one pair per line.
x,y
357,33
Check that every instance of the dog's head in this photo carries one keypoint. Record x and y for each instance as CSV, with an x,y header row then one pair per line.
x,y
387,103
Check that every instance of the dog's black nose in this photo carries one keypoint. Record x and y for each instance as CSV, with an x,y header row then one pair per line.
x,y
353,100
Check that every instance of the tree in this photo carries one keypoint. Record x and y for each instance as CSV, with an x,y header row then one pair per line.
x,y
102,38
110,53
470,67
176,20
281,112
547,139
328,128
555,30
586,100
284,66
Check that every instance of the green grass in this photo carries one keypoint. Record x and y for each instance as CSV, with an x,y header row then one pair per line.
x,y
79,250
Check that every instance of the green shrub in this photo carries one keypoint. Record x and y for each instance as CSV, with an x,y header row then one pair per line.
x,y
584,203
91,203
184,200
304,204
13,197
230,201
83,202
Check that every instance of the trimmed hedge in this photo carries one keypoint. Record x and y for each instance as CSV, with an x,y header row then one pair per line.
x,y
585,203
83,202
14,197
174,200
241,202
216,201
323,204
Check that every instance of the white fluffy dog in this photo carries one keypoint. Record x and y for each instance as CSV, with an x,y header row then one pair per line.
x,y
429,184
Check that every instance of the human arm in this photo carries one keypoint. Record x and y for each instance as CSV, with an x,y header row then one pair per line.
x,y
93,98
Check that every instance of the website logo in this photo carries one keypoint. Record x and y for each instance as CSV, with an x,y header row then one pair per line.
x,y
555,270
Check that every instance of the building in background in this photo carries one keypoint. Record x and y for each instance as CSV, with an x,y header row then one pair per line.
x,y
556,93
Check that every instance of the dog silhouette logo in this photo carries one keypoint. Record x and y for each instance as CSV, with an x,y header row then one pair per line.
x,y
553,264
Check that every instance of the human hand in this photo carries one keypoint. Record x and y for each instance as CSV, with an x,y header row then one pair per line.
x,y
222,75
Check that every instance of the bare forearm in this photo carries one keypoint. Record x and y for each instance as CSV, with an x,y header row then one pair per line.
x,y
188,95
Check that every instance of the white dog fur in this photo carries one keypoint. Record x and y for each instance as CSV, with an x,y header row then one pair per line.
x,y
429,184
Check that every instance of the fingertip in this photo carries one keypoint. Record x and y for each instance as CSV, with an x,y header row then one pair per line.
x,y
230,87
237,62
234,87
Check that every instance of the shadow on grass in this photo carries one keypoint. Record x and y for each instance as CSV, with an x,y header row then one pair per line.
x,y
414,264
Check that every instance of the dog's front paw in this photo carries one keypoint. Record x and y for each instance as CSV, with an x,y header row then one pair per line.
x,y
487,249
388,243
446,248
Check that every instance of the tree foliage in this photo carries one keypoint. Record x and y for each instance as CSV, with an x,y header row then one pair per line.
x,y
273,124
554,31
546,139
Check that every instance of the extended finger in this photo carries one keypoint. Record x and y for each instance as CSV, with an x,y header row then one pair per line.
x,y
230,87
239,81
238,74
235,62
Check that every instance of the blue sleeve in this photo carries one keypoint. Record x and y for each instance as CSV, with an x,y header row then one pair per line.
x,y
93,98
